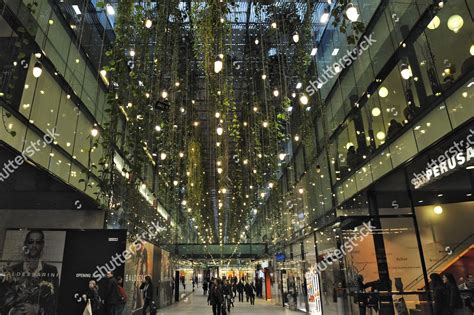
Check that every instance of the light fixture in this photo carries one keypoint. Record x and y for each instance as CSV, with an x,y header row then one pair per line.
x,y
376,111
219,130
218,65
325,16
175,183
256,41
264,76
110,9
94,132
383,92
380,135
434,23
163,156
471,50
274,25
282,156
314,51
164,94
406,71
76,9
296,37
219,170
37,69
348,145
455,23
148,23
276,92
352,13
158,128
304,99
301,191
132,53
265,124
181,154
297,138
438,210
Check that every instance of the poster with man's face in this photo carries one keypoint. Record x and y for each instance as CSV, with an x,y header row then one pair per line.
x,y
30,271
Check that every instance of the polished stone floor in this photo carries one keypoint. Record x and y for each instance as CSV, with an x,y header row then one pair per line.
x,y
196,304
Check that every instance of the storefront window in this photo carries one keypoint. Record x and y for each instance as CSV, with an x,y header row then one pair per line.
x,y
334,294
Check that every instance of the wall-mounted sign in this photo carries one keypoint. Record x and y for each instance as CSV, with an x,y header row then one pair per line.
x,y
280,257
459,154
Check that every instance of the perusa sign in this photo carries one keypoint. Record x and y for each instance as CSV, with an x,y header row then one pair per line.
x,y
459,154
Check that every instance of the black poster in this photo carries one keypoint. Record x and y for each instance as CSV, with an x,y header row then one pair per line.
x,y
88,255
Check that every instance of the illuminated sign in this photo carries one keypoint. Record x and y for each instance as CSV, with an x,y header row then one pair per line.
x,y
459,154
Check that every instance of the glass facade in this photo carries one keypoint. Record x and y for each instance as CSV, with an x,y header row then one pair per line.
x,y
409,92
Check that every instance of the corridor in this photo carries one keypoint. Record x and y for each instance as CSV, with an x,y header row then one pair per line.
x,y
197,304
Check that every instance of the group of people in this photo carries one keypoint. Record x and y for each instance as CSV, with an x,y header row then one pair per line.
x,y
447,294
112,301
222,292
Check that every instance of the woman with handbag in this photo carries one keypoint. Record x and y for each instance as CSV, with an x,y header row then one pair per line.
x,y
92,299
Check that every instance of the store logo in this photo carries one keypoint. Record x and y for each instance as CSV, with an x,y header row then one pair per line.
x,y
458,154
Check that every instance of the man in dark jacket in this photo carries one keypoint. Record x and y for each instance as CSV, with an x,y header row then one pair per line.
x,y
216,298
240,290
112,296
247,289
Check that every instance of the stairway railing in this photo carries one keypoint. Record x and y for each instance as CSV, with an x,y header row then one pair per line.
x,y
453,252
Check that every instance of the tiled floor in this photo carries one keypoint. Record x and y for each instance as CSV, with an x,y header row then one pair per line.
x,y
196,304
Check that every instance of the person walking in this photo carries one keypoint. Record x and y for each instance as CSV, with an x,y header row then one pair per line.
x,y
204,287
111,296
252,291
227,291
123,296
247,290
455,304
92,294
240,290
147,291
215,298
439,294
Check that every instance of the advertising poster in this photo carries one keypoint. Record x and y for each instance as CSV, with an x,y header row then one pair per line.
x,y
88,255
140,265
47,272
31,267
314,294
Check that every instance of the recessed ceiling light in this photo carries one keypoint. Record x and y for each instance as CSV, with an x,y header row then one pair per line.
x,y
314,51
335,51
76,9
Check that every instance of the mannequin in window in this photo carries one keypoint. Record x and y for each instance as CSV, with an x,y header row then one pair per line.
x,y
393,128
